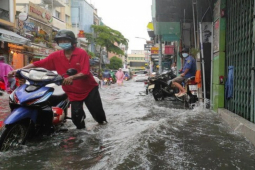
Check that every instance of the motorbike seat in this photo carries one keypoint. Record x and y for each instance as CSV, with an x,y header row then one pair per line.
x,y
57,96
58,91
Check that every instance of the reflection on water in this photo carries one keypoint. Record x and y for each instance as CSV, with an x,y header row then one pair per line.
x,y
4,106
141,134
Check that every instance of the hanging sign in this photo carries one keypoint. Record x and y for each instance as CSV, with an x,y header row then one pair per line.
x,y
30,26
23,16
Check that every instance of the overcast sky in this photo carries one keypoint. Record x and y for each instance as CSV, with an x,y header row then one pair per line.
x,y
130,17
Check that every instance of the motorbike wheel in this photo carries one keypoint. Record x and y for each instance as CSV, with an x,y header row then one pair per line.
x,y
158,94
13,136
193,99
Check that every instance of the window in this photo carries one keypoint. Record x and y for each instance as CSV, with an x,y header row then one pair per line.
x,y
57,14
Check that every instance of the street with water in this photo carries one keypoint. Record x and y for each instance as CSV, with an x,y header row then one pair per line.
x,y
141,134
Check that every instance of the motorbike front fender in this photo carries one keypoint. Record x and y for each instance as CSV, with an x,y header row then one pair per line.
x,y
20,114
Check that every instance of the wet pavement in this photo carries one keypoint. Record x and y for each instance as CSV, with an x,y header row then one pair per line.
x,y
141,134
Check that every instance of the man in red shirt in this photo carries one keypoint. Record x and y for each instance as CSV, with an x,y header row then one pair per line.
x,y
81,87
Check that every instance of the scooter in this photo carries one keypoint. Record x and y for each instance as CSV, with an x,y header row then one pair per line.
x,y
159,87
107,81
35,108
192,91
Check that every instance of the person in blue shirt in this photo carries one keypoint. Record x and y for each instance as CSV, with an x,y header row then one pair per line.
x,y
188,70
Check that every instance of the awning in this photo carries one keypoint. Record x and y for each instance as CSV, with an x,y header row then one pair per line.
x,y
12,37
40,57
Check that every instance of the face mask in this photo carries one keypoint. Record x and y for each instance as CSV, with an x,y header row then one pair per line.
x,y
185,55
65,46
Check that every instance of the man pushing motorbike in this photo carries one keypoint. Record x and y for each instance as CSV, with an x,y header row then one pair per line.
x,y
188,70
80,87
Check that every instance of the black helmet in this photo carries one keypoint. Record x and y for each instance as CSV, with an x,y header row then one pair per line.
x,y
65,34
185,50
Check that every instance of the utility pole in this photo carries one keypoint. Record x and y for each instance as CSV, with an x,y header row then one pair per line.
x,y
160,54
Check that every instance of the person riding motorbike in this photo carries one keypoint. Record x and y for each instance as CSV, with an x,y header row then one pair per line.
x,y
84,89
106,75
188,70
113,76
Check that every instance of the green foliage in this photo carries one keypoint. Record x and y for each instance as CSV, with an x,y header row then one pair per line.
x,y
194,52
106,37
92,55
115,63
89,37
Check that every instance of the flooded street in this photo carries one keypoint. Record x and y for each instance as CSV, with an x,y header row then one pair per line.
x,y
141,134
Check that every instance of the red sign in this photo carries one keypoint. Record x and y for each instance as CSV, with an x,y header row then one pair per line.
x,y
81,34
169,49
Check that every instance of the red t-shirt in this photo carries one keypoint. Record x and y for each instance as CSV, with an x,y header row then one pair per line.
x,y
79,60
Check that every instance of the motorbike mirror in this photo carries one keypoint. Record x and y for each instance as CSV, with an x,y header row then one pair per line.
x,y
71,72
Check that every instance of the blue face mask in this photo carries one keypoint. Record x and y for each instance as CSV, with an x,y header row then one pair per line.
x,y
185,55
65,46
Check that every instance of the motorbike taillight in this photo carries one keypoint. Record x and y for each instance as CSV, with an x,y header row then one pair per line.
x,y
58,115
191,82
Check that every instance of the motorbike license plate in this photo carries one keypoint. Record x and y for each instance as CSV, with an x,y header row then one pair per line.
x,y
151,86
192,87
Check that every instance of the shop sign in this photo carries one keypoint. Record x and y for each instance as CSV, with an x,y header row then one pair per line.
x,y
39,13
154,56
147,47
43,51
30,26
13,46
154,50
23,16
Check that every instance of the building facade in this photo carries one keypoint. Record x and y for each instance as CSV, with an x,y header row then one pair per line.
x,y
136,60
82,17
12,45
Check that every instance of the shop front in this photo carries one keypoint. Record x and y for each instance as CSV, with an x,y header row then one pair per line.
x,y
11,46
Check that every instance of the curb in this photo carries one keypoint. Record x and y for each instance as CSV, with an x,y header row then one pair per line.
x,y
238,124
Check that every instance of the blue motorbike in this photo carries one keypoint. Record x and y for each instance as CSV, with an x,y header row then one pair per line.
x,y
38,107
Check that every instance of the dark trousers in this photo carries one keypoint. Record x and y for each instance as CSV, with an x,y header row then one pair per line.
x,y
94,105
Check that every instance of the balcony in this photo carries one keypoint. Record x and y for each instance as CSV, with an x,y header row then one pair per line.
x,y
56,3
58,23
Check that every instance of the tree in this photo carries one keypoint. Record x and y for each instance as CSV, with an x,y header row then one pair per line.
x,y
107,37
115,63
92,55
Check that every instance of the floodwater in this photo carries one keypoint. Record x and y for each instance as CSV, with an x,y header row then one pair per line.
x,y
141,134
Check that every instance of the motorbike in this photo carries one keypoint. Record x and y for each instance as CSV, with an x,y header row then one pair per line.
x,y
192,91
108,81
159,87
36,108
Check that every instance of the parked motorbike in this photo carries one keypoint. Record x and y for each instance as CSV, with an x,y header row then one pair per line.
x,y
192,91
35,108
159,87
